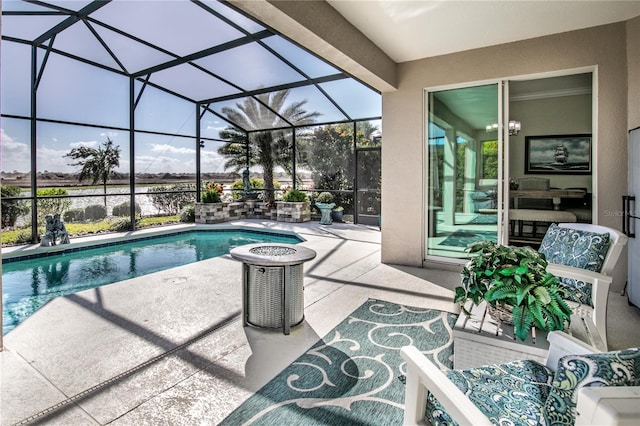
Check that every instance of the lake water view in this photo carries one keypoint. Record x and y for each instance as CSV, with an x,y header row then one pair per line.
x,y
146,206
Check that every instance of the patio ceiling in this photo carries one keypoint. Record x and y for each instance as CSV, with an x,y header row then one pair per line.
x,y
203,51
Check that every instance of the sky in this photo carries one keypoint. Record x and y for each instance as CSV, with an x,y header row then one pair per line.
x,y
155,154
76,92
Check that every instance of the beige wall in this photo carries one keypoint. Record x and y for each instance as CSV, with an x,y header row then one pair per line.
x,y
633,67
402,153
552,116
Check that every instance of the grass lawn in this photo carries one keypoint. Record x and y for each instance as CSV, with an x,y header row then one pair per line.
x,y
23,236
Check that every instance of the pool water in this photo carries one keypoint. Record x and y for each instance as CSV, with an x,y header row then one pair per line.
x,y
29,284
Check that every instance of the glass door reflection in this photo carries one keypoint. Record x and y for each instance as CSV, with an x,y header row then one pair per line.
x,y
462,169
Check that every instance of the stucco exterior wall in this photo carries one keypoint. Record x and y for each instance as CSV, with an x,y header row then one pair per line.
x,y
633,71
403,197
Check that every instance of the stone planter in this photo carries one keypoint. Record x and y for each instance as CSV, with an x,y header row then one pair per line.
x,y
210,212
293,212
260,210
235,210
251,209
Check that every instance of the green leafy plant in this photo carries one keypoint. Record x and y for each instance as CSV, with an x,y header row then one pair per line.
x,y
122,225
188,214
124,209
95,212
514,277
324,197
213,193
57,203
294,196
170,199
74,215
12,209
254,183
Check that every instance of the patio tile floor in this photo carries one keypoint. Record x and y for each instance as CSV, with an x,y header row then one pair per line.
x,y
169,348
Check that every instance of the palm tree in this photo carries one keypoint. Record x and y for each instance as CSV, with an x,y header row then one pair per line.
x,y
268,148
97,163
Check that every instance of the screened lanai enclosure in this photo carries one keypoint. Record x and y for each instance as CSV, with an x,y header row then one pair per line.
x,y
128,109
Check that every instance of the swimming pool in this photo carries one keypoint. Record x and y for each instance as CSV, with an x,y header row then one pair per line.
x,y
28,282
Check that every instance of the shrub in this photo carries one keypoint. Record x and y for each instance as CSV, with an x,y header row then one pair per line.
x,y
23,237
188,214
238,186
17,236
52,205
256,184
12,209
73,215
121,225
170,199
95,212
324,197
124,209
212,193
294,196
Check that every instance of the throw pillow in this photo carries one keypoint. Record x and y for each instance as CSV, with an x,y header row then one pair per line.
x,y
577,248
508,394
618,368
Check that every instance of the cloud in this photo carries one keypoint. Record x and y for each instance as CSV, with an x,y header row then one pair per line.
x,y
169,149
54,160
161,164
213,163
10,145
111,135
88,144
217,126
15,155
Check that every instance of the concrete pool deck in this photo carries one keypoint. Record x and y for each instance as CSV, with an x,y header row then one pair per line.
x,y
169,348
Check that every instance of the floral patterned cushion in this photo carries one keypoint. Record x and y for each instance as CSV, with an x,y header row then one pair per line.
x,y
577,290
512,393
619,368
580,249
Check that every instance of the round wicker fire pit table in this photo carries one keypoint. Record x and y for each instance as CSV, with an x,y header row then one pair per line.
x,y
272,284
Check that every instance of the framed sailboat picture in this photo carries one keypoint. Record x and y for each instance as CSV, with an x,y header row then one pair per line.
x,y
558,154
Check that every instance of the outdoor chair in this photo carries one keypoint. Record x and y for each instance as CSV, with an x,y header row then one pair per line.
x,y
584,256
526,392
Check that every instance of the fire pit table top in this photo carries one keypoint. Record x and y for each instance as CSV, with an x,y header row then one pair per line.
x,y
272,254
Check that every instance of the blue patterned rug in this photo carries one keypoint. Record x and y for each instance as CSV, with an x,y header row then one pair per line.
x,y
354,375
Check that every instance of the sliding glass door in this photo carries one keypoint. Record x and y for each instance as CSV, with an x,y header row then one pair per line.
x,y
464,168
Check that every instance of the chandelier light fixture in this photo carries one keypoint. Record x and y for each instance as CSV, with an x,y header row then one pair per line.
x,y
514,127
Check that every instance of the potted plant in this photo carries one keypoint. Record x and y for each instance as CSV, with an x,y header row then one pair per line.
x,y
211,209
294,196
514,279
294,207
337,213
212,193
324,202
